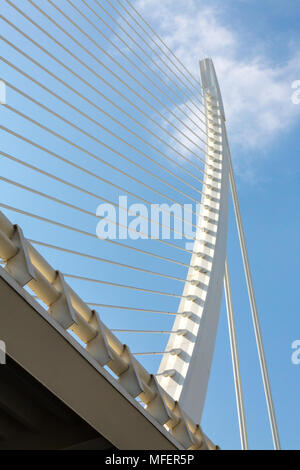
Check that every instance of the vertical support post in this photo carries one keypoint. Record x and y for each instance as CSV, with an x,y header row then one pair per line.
x,y
254,312
199,309
235,360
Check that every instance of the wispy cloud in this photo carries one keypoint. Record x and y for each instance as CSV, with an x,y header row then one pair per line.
x,y
256,92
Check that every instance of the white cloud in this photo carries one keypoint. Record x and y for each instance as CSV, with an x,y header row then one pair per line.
x,y
256,93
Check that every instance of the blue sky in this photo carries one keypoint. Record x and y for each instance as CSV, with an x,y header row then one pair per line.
x,y
256,49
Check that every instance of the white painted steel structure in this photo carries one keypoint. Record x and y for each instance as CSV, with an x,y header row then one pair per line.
x,y
28,267
203,291
168,121
235,360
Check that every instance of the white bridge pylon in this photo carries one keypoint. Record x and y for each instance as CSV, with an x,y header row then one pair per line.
x,y
185,376
203,290
95,125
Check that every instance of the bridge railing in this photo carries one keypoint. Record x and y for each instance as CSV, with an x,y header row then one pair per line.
x,y
26,265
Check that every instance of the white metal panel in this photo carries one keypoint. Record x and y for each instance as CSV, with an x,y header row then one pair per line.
x,y
202,296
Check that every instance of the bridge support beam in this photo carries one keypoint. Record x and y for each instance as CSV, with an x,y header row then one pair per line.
x,y
49,354
254,311
203,290
235,360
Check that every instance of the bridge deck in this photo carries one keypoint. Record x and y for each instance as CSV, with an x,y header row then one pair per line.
x,y
48,354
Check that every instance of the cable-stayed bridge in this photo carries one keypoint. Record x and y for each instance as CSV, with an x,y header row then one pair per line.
x,y
115,179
